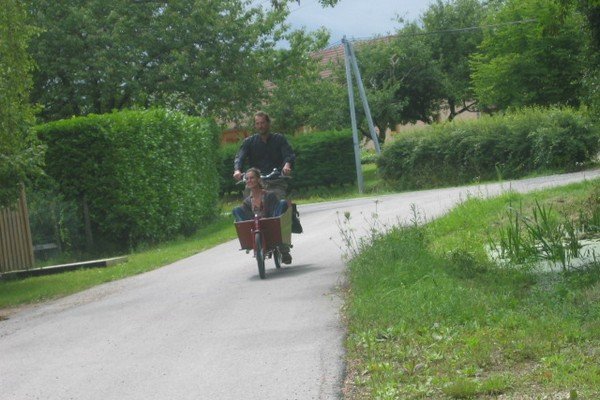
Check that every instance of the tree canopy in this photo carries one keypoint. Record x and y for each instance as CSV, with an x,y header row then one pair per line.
x,y
201,57
424,67
301,97
214,58
453,33
531,56
20,153
483,55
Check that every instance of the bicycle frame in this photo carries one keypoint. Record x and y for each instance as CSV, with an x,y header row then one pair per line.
x,y
265,236
257,229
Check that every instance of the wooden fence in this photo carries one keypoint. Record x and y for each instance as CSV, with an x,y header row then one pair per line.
x,y
16,249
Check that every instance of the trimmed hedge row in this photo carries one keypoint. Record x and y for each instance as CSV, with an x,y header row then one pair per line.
x,y
509,146
322,159
144,175
227,154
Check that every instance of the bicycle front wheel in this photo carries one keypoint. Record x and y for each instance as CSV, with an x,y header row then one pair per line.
x,y
277,257
260,255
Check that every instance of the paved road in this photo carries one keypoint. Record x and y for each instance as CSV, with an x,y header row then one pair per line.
x,y
207,327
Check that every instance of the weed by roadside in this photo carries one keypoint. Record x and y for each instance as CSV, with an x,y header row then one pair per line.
x,y
547,236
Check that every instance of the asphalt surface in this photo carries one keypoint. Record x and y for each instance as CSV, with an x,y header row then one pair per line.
x,y
207,327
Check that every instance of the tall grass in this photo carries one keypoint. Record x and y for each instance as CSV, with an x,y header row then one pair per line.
x,y
546,234
430,316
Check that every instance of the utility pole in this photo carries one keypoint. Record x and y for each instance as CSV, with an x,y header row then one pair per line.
x,y
352,66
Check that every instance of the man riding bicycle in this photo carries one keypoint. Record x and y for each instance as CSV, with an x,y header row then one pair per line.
x,y
266,151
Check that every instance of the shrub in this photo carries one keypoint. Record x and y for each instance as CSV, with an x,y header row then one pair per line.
x,y
144,175
53,219
569,141
227,154
509,146
322,159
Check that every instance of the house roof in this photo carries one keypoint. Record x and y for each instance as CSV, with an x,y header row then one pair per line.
x,y
334,54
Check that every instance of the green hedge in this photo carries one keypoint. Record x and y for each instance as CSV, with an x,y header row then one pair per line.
x,y
322,159
509,146
227,154
145,175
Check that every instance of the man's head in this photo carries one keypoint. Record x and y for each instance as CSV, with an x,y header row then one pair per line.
x,y
262,122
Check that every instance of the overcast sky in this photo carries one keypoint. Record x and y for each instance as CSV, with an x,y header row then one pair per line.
x,y
356,19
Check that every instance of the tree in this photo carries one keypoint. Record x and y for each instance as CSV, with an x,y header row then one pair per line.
x,y
301,97
530,57
402,79
591,80
591,10
201,57
452,29
20,152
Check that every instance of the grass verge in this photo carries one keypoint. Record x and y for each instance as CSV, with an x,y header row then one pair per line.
x,y
36,289
430,317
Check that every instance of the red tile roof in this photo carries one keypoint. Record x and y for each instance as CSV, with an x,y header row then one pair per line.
x,y
334,54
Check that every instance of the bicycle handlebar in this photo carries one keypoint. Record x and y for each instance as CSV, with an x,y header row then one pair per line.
x,y
275,174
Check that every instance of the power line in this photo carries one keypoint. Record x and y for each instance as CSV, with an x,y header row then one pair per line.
x,y
472,28
454,30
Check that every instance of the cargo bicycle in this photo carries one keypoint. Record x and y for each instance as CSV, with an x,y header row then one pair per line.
x,y
266,237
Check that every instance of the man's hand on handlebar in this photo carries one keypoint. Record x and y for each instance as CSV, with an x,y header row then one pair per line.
x,y
287,169
237,175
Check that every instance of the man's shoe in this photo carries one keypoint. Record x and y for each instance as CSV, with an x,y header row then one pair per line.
x,y
286,258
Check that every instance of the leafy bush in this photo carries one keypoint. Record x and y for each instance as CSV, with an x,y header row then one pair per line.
x,y
227,154
368,157
53,219
569,141
509,146
322,159
144,175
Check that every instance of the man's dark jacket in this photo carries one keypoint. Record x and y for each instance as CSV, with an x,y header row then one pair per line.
x,y
264,156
